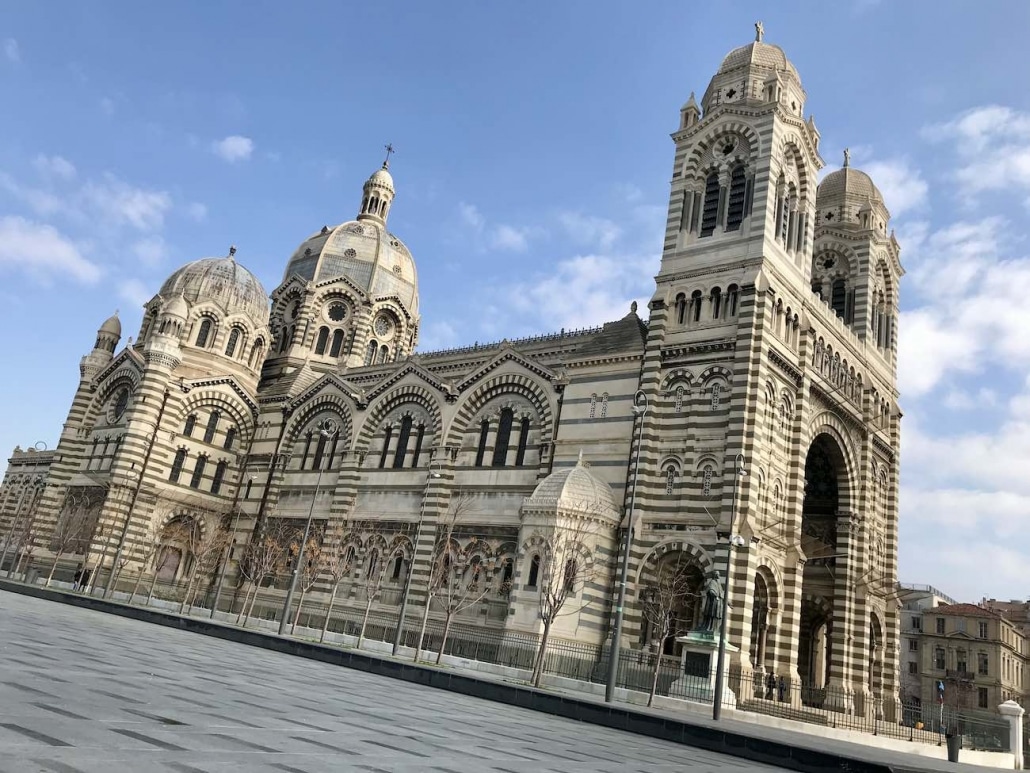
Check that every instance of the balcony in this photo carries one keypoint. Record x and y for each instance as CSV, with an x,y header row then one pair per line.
x,y
964,676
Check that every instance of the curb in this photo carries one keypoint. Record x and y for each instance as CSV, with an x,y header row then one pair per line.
x,y
582,709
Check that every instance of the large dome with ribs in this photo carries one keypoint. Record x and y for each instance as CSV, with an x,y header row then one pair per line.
x,y
221,281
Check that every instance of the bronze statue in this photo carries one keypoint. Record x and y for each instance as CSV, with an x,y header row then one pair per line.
x,y
711,611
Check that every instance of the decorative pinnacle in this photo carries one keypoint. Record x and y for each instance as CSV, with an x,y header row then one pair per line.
x,y
389,152
232,250
847,157
759,31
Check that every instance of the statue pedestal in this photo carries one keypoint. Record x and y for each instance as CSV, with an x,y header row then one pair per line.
x,y
700,661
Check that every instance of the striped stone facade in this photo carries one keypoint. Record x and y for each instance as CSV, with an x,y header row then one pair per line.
x,y
767,409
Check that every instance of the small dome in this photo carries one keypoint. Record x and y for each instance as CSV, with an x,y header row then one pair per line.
x,y
176,307
575,488
381,178
112,325
757,54
221,281
849,182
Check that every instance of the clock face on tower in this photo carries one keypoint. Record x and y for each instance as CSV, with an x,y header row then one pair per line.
x,y
382,326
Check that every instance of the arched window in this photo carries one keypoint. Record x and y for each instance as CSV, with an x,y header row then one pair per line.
x,y
212,427
716,396
322,341
503,437
177,463
571,570
384,354
604,405
337,345
398,565
372,563
520,455
307,450
679,399
402,442
484,432
319,452
233,342
419,437
593,406
284,342
386,447
839,297
735,206
716,303
534,572
191,423
507,573
681,308
696,299
216,482
198,471
121,404
230,438
706,480
257,354
732,299
204,334
670,479
370,352
710,207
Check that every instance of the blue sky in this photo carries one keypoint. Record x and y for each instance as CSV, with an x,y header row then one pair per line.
x,y
533,153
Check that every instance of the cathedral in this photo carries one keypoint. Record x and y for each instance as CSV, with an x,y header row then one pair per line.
x,y
748,421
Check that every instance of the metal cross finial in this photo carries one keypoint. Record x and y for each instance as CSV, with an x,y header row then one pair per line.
x,y
847,156
389,152
759,31
232,250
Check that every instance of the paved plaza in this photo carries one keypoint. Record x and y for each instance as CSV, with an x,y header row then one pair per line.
x,y
84,692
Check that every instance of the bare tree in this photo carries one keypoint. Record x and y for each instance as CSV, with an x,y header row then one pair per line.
x,y
676,583
338,552
71,523
375,566
566,567
308,574
147,549
205,547
263,554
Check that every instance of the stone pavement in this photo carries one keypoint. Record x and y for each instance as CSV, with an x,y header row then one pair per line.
x,y
84,692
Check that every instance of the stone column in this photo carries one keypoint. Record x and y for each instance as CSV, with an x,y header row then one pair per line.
x,y
839,689
1013,712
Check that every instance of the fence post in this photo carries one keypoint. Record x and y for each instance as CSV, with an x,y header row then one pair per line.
x,y
1014,713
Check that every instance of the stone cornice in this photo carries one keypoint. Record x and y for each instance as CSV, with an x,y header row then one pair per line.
x,y
326,380
701,347
842,411
231,383
409,367
507,354
784,365
883,448
126,354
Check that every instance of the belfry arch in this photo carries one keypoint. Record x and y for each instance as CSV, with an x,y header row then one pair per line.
x,y
822,642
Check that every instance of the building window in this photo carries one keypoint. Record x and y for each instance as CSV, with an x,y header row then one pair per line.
x,y
484,433
398,564
520,456
983,663
982,633
198,471
307,450
732,299
940,625
604,405
534,572
593,406
503,437
216,482
960,661
913,645
322,341
716,390
177,463
212,427
716,303
706,481
402,442
337,345
204,334
386,447
234,341
938,658
191,423
696,299
670,479
679,399
735,207
419,437
913,667
230,438
319,452
370,353
710,207
250,485
917,623
981,697
681,308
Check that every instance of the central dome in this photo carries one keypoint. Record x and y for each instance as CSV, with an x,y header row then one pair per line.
x,y
221,281
758,54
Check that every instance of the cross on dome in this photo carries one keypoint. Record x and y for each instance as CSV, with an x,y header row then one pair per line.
x,y
759,31
389,152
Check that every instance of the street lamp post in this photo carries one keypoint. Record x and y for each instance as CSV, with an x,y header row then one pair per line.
x,y
735,541
327,429
639,412
411,567
229,549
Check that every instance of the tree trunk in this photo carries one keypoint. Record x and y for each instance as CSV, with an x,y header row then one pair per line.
x,y
139,579
364,620
253,601
189,587
657,668
329,612
300,606
422,630
150,594
446,631
243,607
53,568
538,668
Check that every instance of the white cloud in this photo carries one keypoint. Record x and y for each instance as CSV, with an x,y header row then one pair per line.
x,y
41,202
596,232
135,292
902,186
125,205
471,216
438,335
234,148
42,252
54,167
506,237
151,251
500,236
197,211
993,143
12,51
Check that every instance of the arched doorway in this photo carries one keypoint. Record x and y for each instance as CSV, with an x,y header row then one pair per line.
x,y
670,601
826,489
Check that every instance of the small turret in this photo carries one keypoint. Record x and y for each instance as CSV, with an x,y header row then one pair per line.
x,y
690,113
108,336
378,193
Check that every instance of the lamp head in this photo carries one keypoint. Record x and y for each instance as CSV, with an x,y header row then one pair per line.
x,y
328,428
